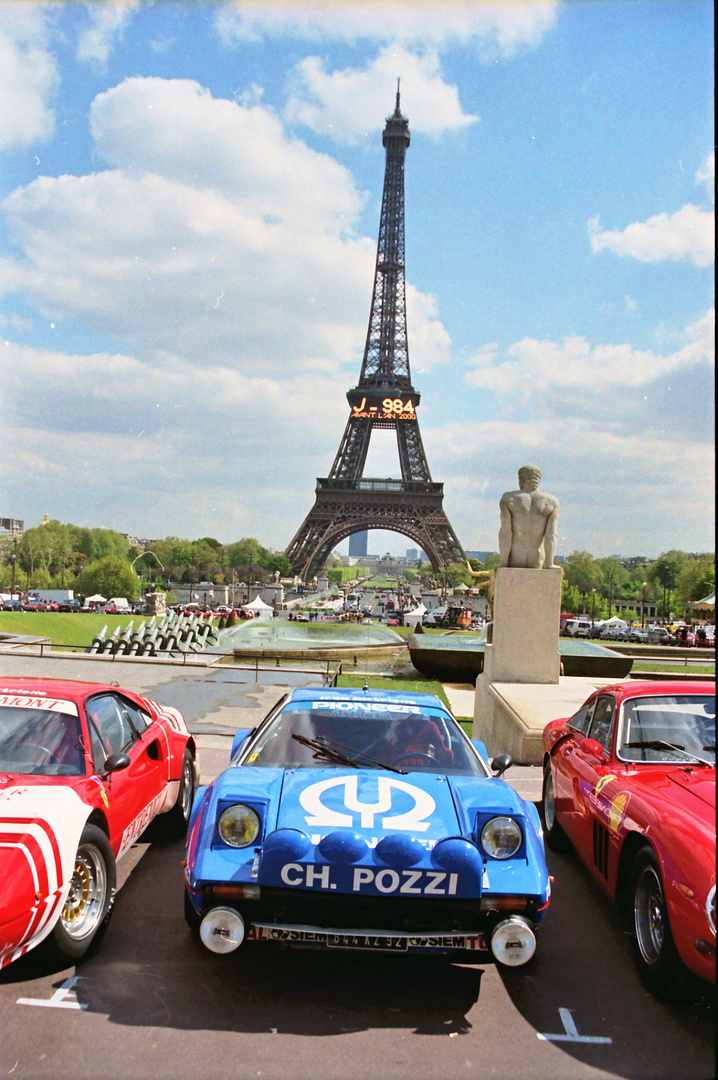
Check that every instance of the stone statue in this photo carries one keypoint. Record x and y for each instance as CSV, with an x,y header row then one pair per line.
x,y
529,523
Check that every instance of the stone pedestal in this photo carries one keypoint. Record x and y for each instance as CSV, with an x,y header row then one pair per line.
x,y
155,603
523,650
524,643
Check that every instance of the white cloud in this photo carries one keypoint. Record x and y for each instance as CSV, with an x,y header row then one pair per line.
x,y
613,428
107,22
615,487
28,76
544,371
215,237
706,174
688,234
346,103
146,435
492,28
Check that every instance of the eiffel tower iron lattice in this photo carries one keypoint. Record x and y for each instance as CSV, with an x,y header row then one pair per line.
x,y
346,501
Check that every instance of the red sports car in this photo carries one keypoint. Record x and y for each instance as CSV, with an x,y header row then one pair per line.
x,y
630,779
84,768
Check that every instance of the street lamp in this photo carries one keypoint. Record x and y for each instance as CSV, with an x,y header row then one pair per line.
x,y
643,603
15,544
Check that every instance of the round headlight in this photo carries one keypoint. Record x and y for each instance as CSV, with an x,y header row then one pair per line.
x,y
238,826
501,837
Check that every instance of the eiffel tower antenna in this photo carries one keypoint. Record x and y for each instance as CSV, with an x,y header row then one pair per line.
x,y
346,501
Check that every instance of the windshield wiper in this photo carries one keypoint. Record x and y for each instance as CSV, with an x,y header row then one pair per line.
x,y
659,744
343,755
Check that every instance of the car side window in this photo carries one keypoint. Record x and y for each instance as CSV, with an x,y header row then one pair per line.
x,y
111,724
581,721
138,717
602,722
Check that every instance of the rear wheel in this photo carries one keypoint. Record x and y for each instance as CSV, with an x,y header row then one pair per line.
x,y
655,953
88,905
555,836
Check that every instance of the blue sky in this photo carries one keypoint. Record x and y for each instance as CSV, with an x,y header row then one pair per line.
x,y
189,206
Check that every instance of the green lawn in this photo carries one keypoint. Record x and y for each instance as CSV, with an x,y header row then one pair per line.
x,y
680,669
63,628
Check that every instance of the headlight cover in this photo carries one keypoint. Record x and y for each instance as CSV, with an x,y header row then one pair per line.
x,y
239,826
501,837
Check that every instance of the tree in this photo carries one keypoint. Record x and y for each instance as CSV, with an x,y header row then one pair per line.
x,y
696,578
111,576
582,571
665,571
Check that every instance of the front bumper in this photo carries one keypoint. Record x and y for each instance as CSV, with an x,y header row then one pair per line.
x,y
300,918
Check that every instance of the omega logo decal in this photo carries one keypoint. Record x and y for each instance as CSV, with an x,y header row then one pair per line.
x,y
318,813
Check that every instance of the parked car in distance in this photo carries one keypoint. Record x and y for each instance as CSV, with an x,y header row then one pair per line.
x,y
638,634
578,628
70,605
630,780
659,635
365,819
84,769
12,605
35,605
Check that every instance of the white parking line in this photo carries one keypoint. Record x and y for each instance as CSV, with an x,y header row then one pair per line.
x,y
570,1032
60,999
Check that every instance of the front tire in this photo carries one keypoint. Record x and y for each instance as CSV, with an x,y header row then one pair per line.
x,y
173,824
555,836
88,905
657,960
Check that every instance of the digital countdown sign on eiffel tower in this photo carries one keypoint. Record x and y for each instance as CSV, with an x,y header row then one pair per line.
x,y
347,501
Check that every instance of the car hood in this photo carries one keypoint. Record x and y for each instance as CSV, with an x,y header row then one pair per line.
x,y
368,802
694,790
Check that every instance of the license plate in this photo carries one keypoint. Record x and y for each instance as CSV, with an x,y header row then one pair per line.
x,y
366,941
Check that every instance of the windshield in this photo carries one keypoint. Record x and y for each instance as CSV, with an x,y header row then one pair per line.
x,y
41,741
304,736
653,725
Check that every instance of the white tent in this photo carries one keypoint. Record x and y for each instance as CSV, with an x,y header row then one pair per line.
x,y
96,599
411,618
258,609
707,604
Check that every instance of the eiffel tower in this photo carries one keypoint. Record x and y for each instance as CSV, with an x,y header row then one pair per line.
x,y
346,501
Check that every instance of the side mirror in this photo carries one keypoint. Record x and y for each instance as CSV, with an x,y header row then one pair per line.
x,y
115,762
593,747
501,763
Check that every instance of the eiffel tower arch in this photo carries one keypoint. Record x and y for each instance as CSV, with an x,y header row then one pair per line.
x,y
346,501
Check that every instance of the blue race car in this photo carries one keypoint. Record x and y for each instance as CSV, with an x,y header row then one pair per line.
x,y
365,819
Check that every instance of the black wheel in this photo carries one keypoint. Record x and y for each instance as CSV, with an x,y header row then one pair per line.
x,y
173,824
654,951
191,917
88,905
555,836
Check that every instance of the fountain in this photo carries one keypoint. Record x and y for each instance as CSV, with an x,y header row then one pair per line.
x,y
281,639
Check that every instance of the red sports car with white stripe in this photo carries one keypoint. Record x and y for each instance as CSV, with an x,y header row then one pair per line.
x,y
84,768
